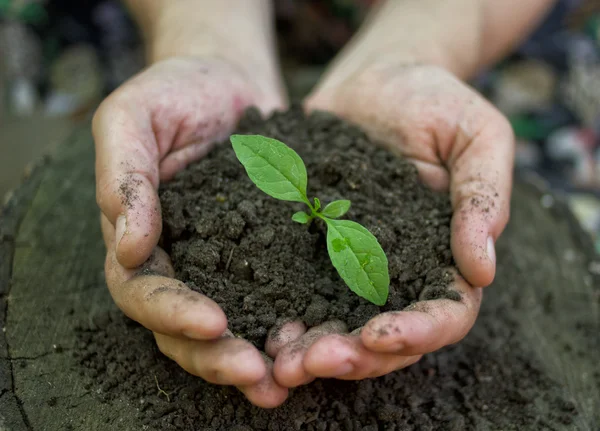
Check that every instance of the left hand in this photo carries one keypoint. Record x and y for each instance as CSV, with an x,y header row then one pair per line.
x,y
459,142
145,132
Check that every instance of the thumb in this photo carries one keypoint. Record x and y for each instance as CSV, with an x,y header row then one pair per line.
x,y
127,178
480,165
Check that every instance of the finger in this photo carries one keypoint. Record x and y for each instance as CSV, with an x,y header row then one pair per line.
x,y
149,295
480,164
178,160
225,361
266,393
127,177
158,263
432,174
168,306
344,357
282,334
425,326
289,369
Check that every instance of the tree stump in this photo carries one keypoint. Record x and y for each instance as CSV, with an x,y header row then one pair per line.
x,y
51,279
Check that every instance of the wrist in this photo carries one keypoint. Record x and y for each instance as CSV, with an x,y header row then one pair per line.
x,y
370,62
414,32
205,29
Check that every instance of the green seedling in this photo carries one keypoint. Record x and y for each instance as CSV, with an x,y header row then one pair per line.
x,y
279,171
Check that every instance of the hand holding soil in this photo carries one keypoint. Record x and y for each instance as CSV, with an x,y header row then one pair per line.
x,y
460,143
145,132
445,114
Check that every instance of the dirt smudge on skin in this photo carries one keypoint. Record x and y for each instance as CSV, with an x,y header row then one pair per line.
x,y
162,290
387,330
128,190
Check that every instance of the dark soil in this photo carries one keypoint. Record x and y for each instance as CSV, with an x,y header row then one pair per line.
x,y
489,381
238,246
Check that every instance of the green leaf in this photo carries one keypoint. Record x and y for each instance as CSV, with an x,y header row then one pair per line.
x,y
274,167
301,217
317,204
359,259
336,209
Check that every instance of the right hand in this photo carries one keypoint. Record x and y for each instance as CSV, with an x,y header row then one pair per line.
x,y
460,144
145,132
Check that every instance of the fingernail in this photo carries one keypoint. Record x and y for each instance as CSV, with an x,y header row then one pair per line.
x,y
193,335
121,228
343,369
210,328
491,250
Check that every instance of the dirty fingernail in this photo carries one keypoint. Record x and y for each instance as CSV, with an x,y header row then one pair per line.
x,y
388,340
343,369
491,250
193,335
209,334
121,228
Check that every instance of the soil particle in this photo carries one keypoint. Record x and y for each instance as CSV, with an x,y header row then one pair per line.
x,y
280,269
128,190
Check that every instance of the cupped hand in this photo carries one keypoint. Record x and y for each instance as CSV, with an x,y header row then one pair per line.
x,y
147,130
388,342
460,143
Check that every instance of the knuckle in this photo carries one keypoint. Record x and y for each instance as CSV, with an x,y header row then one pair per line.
x,y
109,105
104,190
112,107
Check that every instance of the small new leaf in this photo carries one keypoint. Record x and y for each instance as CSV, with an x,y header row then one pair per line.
x,y
317,204
359,259
301,217
274,167
336,209
279,171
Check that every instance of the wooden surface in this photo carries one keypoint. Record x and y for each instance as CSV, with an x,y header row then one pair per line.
x,y
50,232
51,260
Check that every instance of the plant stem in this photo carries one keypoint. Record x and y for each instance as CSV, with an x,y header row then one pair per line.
x,y
307,202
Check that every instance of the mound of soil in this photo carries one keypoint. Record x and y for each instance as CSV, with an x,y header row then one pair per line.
x,y
233,243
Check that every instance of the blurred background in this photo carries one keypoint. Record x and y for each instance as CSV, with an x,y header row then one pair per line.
x,y
59,58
